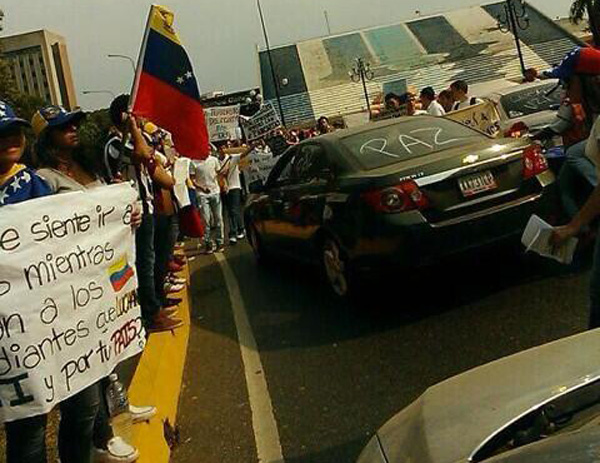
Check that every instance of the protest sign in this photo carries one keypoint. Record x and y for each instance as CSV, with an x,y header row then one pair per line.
x,y
482,116
258,165
262,123
356,120
223,122
69,310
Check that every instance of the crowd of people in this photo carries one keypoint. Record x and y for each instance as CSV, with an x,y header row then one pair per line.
x,y
56,164
138,152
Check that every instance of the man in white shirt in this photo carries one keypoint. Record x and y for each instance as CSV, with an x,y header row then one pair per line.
x,y
230,169
462,100
209,198
430,103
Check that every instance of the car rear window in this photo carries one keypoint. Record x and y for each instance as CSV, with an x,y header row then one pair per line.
x,y
530,101
408,139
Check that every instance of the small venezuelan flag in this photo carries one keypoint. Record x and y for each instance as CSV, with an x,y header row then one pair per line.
x,y
120,273
166,90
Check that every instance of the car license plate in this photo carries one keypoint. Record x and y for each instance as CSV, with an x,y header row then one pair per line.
x,y
477,183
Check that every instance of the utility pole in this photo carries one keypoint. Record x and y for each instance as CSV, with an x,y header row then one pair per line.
x,y
270,57
326,14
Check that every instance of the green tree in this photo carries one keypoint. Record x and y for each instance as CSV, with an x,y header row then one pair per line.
x,y
580,9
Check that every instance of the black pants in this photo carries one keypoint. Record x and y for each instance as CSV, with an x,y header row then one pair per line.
x,y
26,439
165,237
145,264
233,204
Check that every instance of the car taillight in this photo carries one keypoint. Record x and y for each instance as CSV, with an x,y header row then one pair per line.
x,y
400,198
534,161
517,130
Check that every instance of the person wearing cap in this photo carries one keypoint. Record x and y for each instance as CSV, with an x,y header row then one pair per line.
x,y
61,163
25,439
17,182
574,119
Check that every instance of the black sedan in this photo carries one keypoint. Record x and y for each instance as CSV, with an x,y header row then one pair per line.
x,y
403,193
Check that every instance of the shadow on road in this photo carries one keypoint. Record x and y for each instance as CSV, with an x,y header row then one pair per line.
x,y
289,304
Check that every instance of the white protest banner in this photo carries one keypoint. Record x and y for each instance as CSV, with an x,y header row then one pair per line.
x,y
356,120
69,310
222,122
262,123
258,166
482,116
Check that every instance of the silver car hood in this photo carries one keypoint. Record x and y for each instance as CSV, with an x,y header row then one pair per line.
x,y
451,420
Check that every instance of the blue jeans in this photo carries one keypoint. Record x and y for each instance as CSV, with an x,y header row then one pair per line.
x,y
211,208
577,167
233,204
145,260
26,439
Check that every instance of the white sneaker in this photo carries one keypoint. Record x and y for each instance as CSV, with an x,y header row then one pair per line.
x,y
241,236
141,414
176,281
173,288
117,451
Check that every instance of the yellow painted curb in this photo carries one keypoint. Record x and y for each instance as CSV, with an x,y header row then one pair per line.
x,y
157,381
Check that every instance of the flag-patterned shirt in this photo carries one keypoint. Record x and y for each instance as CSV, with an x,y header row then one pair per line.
x,y
20,184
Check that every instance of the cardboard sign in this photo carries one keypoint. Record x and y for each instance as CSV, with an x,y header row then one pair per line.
x,y
69,309
482,116
262,123
258,166
223,122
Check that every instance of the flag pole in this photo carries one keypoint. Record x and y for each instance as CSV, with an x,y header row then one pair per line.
x,y
138,70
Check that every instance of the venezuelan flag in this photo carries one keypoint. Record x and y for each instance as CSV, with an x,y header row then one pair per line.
x,y
120,273
166,90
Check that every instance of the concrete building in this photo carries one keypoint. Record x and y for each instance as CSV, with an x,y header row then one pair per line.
x,y
40,66
312,76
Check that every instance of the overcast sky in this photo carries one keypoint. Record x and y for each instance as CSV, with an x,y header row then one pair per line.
x,y
220,35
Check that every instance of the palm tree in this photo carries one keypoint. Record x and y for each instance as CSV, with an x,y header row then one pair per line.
x,y
590,8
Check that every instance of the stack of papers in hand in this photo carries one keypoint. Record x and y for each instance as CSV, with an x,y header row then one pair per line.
x,y
538,238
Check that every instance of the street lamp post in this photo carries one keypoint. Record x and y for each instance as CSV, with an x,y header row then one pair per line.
x,y
270,57
513,20
361,72
92,92
128,58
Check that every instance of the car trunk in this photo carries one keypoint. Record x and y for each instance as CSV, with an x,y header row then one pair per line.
x,y
468,180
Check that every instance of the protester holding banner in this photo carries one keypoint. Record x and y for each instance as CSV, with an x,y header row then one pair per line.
x,y
59,156
136,162
26,438
460,93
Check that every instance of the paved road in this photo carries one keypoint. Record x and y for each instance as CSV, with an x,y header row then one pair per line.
x,y
335,372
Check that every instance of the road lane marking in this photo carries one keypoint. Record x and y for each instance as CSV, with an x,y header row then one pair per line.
x,y
266,434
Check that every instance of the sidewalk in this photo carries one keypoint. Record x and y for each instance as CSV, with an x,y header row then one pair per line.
x,y
158,381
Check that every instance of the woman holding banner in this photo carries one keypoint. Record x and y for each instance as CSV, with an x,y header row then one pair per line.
x,y
62,164
26,438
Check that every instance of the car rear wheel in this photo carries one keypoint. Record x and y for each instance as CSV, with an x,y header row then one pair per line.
x,y
336,268
257,246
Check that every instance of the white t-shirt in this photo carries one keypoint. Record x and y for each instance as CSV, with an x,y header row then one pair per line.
x,y
470,101
206,175
233,178
436,109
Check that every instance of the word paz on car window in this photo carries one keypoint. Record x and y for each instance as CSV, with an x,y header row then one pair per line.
x,y
429,138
